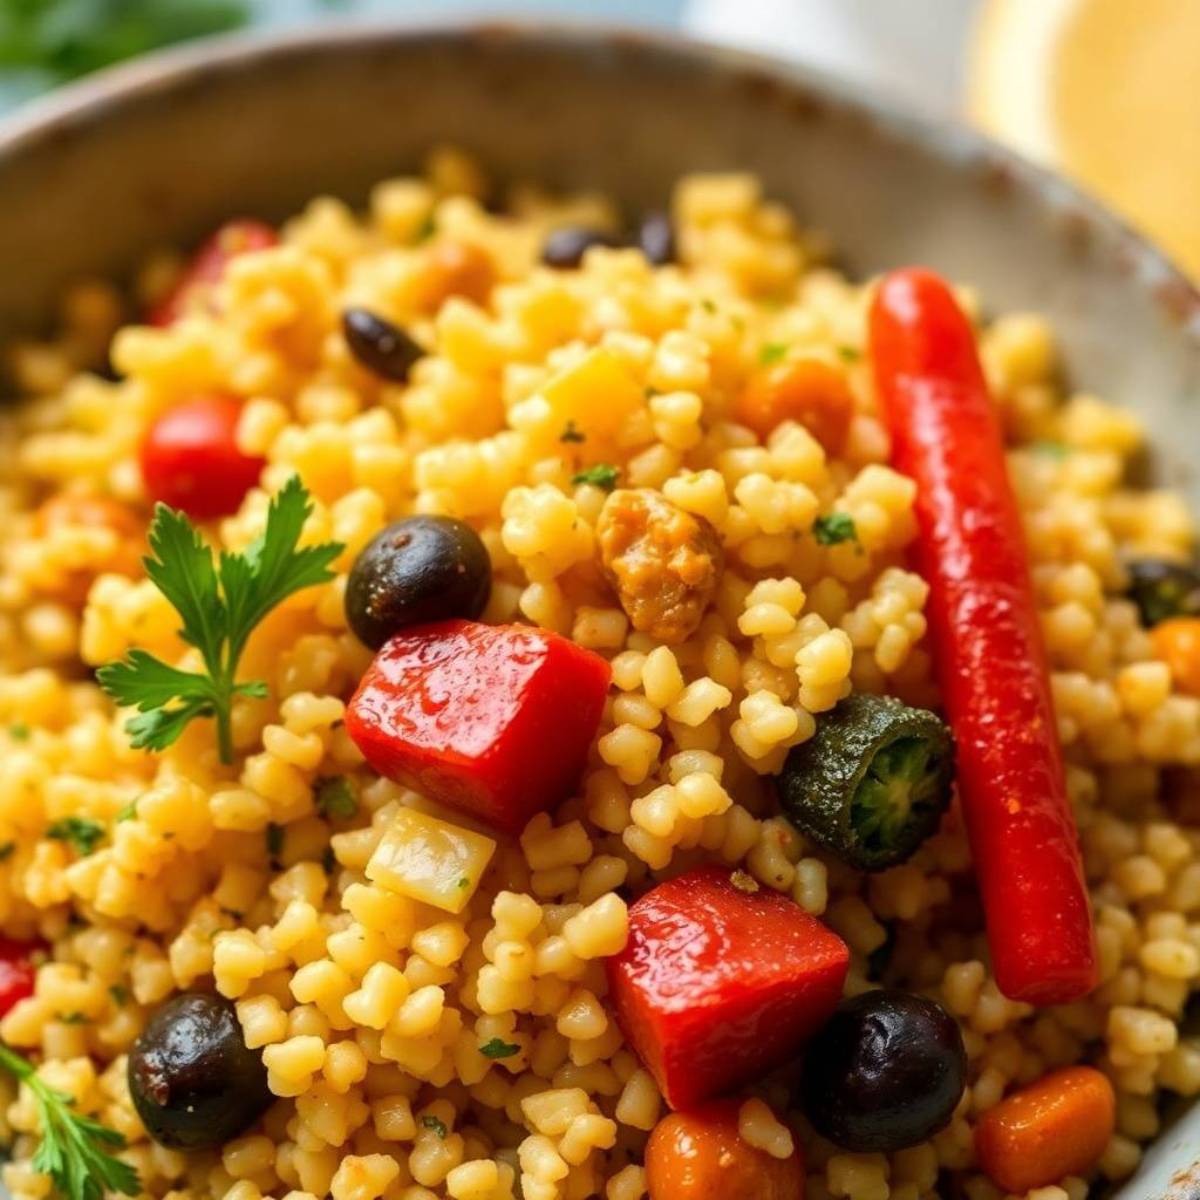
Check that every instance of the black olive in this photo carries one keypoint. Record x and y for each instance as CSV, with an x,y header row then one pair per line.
x,y
381,347
656,238
565,248
419,569
1163,589
193,1082
885,1072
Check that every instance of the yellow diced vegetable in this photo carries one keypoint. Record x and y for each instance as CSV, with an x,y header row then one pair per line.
x,y
430,860
596,394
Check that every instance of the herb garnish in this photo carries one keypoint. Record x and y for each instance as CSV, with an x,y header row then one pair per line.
x,y
1048,449
335,797
220,603
849,354
82,832
834,528
498,1048
438,1127
19,731
602,475
128,812
772,352
74,1150
119,994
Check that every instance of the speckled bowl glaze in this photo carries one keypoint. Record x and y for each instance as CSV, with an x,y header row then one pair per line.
x,y
159,151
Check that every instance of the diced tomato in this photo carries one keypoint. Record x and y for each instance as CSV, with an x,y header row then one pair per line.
x,y
494,720
719,983
208,265
17,970
191,460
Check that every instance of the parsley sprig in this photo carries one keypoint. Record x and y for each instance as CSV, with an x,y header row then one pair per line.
x,y
220,602
74,1150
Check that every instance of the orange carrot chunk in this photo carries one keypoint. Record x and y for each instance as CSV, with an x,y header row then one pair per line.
x,y
1055,1127
808,391
1177,643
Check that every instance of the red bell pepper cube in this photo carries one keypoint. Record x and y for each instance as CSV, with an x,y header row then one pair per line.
x,y
18,967
208,265
721,981
494,720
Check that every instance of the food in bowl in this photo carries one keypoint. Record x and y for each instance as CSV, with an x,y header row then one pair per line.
x,y
505,701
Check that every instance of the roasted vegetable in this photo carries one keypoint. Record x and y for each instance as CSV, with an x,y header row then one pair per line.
x,y
872,783
1163,590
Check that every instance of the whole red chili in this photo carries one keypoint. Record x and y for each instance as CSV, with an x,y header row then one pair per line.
x,y
988,642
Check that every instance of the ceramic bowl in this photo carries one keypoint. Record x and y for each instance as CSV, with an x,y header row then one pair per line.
x,y
158,152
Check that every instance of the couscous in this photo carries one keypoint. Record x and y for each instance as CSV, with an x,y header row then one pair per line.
x,y
494,705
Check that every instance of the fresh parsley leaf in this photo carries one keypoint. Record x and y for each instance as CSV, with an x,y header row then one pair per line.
x,y
708,305
834,528
274,840
498,1048
463,884
572,433
19,731
335,797
602,475
772,352
6,850
74,1150
220,602
82,832
438,1127
1047,449
119,994
849,354
128,813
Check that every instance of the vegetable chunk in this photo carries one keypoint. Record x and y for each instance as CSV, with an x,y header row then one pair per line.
x,y
494,720
716,985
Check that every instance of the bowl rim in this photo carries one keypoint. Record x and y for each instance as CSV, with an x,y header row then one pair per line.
x,y
77,106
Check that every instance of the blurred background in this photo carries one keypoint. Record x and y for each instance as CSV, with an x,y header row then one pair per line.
x,y
1106,91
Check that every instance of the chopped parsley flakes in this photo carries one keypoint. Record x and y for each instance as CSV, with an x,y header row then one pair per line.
x,y
438,1127
335,797
835,528
498,1048
82,833
602,475
772,352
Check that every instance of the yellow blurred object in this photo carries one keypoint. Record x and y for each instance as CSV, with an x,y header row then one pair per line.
x,y
1107,91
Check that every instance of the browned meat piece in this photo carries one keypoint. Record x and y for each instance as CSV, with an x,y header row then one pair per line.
x,y
664,562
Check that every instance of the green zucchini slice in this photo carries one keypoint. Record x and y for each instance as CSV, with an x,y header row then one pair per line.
x,y
873,781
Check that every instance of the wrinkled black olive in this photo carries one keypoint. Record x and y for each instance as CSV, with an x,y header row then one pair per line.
x,y
656,238
1162,589
885,1072
422,568
383,348
565,248
193,1081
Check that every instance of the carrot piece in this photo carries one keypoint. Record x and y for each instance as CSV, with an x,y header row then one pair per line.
x,y
1055,1127
808,391
699,1155
1177,643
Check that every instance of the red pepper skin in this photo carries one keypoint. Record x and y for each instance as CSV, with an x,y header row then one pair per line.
x,y
716,986
191,461
493,720
990,654
208,265
17,970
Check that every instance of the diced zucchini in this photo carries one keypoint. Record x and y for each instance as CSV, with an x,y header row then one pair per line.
x,y
872,783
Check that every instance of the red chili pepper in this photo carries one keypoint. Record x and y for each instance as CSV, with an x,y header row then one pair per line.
x,y
991,659
191,461
17,970
208,265
718,983
494,720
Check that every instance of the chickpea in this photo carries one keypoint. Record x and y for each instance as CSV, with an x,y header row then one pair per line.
x,y
698,1155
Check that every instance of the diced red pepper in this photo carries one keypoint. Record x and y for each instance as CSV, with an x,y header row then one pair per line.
x,y
190,458
208,265
17,970
719,983
494,720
